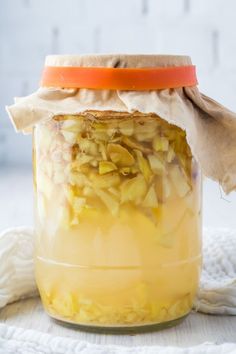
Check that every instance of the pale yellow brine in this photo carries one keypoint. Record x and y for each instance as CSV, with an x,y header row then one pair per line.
x,y
118,219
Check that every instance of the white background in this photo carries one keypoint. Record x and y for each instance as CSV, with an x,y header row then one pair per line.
x,y
31,29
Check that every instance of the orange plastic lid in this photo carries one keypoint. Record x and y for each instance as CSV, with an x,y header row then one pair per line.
x,y
152,78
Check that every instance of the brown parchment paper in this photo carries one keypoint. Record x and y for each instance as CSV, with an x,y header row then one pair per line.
x,y
210,127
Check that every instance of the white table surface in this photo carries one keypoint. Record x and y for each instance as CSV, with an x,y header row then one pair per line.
x,y
16,210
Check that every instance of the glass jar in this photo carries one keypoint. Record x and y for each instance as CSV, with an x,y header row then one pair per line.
x,y
118,220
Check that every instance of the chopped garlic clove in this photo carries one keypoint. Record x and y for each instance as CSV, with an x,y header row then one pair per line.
x,y
125,170
127,127
179,181
114,191
119,155
145,136
170,155
148,125
133,144
100,132
111,179
150,200
171,133
65,304
156,164
143,165
133,190
108,200
163,189
160,143
94,163
106,166
88,147
78,179
102,150
145,131
134,169
81,159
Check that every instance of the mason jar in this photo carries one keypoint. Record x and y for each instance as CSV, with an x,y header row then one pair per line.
x,y
119,143
117,219
119,146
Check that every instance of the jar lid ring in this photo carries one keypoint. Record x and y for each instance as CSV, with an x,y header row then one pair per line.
x,y
133,79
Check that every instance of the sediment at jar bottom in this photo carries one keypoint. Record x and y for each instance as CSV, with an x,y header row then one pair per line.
x,y
113,296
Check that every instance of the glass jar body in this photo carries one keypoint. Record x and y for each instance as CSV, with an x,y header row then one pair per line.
x,y
118,220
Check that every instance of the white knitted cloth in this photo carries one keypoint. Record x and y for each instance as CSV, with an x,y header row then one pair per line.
x,y
217,295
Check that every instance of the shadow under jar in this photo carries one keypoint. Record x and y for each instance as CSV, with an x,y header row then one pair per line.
x,y
118,220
